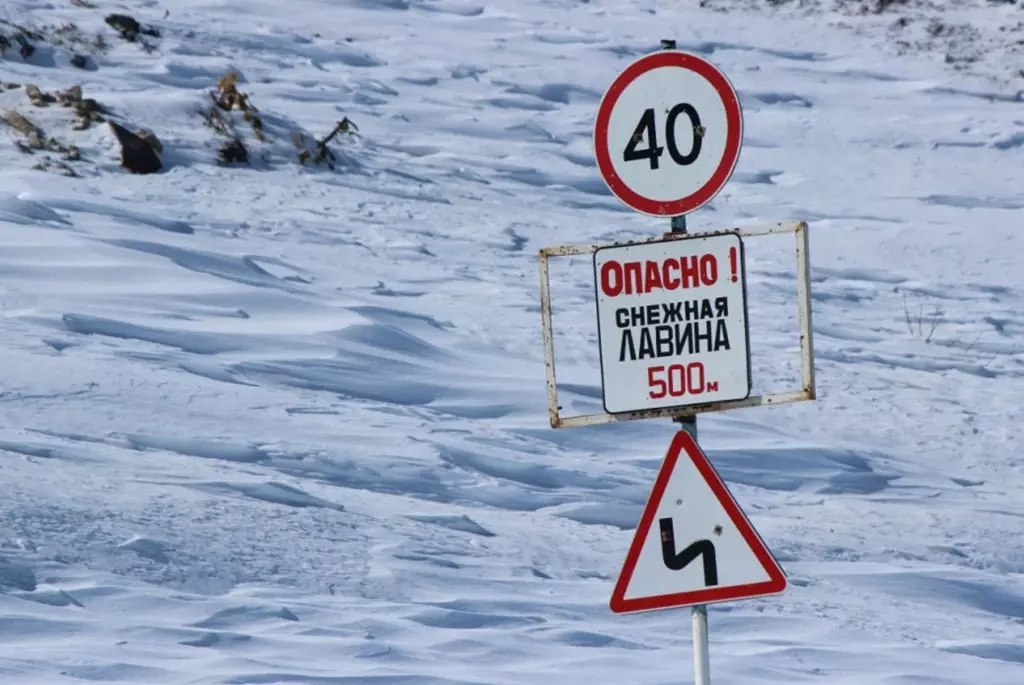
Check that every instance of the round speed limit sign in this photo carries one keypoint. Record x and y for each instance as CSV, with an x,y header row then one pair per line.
x,y
668,133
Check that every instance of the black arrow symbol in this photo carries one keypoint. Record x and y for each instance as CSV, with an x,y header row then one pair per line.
x,y
678,561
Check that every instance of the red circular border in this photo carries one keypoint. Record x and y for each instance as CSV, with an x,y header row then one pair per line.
x,y
733,140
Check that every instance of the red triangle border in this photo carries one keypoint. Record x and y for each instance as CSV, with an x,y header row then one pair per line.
x,y
683,442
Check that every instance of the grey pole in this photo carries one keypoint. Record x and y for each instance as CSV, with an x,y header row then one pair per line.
x,y
688,423
701,657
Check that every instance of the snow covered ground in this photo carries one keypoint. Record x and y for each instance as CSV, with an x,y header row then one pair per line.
x,y
982,37
284,424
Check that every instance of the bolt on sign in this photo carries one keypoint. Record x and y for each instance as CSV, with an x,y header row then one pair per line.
x,y
672,322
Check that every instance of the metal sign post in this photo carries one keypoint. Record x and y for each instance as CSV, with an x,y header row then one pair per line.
x,y
673,334
688,422
701,655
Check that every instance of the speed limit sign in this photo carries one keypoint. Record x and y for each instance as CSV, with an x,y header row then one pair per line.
x,y
668,133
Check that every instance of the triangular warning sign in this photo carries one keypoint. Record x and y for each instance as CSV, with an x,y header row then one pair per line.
x,y
694,544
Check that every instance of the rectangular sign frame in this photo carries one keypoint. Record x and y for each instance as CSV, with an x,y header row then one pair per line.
x,y
805,392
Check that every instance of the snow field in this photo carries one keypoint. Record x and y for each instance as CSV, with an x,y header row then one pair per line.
x,y
288,425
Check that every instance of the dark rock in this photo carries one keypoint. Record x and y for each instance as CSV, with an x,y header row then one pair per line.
x,y
37,97
70,97
151,138
35,135
129,28
137,156
126,26
234,152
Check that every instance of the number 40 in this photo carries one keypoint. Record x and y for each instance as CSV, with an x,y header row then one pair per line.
x,y
646,126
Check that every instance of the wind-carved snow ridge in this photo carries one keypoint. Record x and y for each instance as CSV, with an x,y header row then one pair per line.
x,y
273,423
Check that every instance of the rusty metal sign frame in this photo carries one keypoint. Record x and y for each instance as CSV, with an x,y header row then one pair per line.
x,y
805,392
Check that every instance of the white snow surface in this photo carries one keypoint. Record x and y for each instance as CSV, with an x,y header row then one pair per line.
x,y
287,425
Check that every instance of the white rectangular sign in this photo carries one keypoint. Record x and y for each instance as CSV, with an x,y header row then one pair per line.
x,y
672,322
